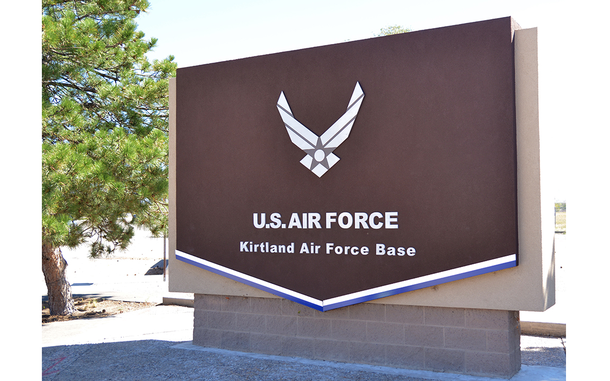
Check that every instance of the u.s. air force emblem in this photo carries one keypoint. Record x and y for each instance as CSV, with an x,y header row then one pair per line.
x,y
319,149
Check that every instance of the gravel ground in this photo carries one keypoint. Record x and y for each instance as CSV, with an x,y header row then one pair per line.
x,y
162,361
543,351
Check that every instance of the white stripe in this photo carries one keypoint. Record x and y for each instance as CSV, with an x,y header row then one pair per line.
x,y
250,278
357,295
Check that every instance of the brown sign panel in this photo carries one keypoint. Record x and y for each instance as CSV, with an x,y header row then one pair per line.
x,y
345,173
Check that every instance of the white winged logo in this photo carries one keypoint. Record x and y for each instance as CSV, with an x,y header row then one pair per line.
x,y
319,149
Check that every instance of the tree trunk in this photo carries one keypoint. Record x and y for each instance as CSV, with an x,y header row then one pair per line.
x,y
58,289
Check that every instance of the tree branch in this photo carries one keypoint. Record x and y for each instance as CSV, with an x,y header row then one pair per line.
x,y
70,85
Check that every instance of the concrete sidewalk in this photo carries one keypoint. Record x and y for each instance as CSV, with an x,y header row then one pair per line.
x,y
132,275
155,343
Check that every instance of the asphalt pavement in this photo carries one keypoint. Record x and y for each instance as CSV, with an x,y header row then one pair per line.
x,y
155,343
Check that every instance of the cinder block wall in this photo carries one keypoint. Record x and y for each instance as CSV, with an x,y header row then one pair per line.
x,y
469,341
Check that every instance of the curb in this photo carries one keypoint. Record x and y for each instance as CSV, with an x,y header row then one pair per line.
x,y
178,301
543,329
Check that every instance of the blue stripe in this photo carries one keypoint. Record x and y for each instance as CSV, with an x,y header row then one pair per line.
x,y
349,302
418,286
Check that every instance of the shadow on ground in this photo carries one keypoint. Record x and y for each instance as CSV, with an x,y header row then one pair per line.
x,y
162,360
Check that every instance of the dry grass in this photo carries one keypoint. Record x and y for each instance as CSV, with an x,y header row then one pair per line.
x,y
87,308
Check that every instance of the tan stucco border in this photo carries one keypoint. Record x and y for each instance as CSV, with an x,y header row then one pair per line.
x,y
527,287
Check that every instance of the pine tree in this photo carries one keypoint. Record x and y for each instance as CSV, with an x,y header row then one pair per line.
x,y
104,133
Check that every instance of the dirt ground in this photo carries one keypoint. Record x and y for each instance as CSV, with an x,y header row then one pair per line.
x,y
87,308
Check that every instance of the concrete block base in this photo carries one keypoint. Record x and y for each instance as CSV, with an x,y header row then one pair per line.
x,y
467,341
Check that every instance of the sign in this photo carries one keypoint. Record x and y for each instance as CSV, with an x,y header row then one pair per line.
x,y
345,173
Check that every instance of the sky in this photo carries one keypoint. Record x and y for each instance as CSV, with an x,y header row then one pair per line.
x,y
200,32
